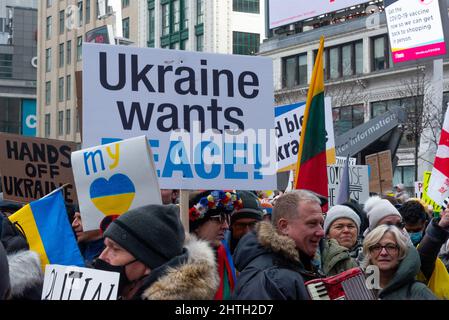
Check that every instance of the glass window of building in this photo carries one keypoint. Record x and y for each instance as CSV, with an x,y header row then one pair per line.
x,y
10,115
60,123
61,89
79,48
77,120
5,65
199,11
405,175
48,28
125,26
334,59
358,53
61,21
294,70
347,117
48,60
151,27
249,6
200,42
61,55
380,53
47,93
346,60
80,13
245,43
47,125
302,69
87,11
165,19
125,3
176,15
185,23
68,86
69,52
67,121
49,3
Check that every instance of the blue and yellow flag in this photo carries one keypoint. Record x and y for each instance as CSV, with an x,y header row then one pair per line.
x,y
48,231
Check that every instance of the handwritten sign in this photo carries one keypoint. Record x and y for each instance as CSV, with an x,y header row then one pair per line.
x,y
358,183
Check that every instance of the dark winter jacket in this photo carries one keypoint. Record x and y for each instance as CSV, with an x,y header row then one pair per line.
x,y
26,275
270,267
190,276
4,274
430,246
335,258
403,286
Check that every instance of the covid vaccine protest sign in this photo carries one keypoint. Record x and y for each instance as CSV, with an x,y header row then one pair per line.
x,y
358,182
30,167
288,132
417,29
75,283
208,117
114,178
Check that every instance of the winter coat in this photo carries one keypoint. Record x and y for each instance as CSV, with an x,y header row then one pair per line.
x,y
335,258
430,246
189,276
26,275
270,267
4,274
403,286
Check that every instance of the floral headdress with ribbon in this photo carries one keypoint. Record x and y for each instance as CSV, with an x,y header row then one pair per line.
x,y
217,200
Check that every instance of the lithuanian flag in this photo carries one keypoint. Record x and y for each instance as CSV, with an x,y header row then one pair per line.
x,y
311,172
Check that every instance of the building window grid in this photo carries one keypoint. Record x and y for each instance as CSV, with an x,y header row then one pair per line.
x,y
68,119
294,70
60,123
248,6
47,125
87,13
380,52
47,93
68,87
5,65
151,27
200,42
61,55
347,117
48,60
48,28
199,11
69,52
80,13
125,27
125,3
245,43
79,48
61,21
61,89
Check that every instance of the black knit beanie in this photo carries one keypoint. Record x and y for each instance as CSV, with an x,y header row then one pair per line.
x,y
153,234
251,207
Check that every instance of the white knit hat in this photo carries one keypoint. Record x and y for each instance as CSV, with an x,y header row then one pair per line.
x,y
338,212
377,208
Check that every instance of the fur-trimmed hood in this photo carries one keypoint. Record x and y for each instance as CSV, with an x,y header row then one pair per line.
x,y
26,275
195,278
265,239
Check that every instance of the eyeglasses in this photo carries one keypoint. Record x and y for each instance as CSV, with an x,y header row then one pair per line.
x,y
390,248
221,218
244,225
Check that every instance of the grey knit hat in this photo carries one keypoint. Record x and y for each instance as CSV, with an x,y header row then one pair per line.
x,y
339,212
153,234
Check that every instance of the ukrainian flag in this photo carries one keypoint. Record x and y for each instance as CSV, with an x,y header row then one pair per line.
x,y
48,231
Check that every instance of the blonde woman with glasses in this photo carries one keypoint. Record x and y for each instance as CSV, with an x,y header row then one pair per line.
x,y
386,250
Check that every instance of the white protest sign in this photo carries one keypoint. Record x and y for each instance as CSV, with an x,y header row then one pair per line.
x,y
419,189
208,117
288,130
114,178
342,161
358,183
75,283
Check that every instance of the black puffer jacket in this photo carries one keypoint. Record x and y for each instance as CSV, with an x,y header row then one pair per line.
x,y
270,267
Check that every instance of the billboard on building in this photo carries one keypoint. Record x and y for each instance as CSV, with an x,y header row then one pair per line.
x,y
284,12
103,34
415,29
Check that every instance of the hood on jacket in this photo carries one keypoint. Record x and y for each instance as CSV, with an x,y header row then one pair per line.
x,y
264,239
408,269
26,275
195,278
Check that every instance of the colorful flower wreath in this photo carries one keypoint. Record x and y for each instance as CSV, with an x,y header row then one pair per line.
x,y
216,200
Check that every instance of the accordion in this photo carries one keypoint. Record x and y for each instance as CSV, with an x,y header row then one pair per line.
x,y
348,285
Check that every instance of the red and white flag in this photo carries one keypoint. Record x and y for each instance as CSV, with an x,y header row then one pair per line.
x,y
438,188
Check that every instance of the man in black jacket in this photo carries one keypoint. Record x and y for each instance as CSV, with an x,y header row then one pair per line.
x,y
276,259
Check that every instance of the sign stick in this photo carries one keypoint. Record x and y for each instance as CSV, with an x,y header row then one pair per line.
x,y
184,209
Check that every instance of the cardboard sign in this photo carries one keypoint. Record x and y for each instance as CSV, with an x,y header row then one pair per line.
x,y
113,179
358,183
288,132
33,167
342,161
209,117
425,196
381,171
75,283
